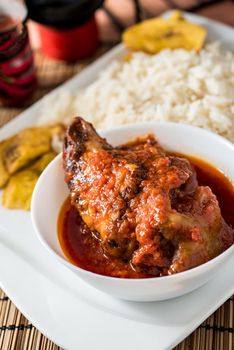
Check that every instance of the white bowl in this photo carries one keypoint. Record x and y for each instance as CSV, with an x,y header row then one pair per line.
x,y
51,191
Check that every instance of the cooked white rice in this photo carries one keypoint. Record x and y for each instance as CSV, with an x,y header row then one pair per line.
x,y
178,86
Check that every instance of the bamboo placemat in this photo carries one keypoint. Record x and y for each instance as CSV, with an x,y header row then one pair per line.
x,y
16,332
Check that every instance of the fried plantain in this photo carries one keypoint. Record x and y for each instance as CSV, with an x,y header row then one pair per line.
x,y
43,161
26,146
22,159
154,35
29,144
4,175
18,192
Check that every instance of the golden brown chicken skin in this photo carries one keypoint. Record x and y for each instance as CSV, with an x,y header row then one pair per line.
x,y
144,205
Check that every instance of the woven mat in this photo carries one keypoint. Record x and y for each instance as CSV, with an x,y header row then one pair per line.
x,y
16,332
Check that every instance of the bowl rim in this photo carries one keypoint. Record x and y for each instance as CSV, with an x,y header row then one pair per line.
x,y
177,276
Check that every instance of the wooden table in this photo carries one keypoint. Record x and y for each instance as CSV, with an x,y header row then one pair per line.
x,y
16,332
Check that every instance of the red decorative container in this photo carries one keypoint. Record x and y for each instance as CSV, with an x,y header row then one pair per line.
x,y
17,74
71,44
67,29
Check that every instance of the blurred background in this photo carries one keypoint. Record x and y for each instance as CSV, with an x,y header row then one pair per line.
x,y
70,31
116,15
113,16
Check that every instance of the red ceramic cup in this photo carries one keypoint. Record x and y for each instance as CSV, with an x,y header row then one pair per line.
x,y
69,44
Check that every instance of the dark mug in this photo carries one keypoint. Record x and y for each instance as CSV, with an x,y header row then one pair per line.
x,y
67,28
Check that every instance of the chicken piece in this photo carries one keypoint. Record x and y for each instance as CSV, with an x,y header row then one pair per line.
x,y
208,236
143,205
102,183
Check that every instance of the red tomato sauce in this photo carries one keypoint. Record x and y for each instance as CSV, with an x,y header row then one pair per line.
x,y
82,248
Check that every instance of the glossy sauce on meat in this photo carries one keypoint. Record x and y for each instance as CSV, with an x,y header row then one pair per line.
x,y
83,248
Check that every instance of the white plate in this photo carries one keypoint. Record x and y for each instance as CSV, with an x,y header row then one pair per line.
x,y
73,314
